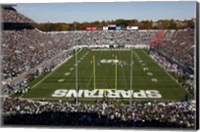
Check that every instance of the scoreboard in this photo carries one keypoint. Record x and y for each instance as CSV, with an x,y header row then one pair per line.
x,y
112,27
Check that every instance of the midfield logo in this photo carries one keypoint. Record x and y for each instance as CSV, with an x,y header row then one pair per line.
x,y
109,61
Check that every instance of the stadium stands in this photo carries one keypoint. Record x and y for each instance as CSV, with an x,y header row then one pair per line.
x,y
102,113
105,37
25,49
179,46
33,41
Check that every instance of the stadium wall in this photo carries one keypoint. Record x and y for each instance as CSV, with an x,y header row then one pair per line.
x,y
138,46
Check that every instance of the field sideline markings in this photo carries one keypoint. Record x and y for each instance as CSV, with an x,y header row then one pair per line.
x,y
165,71
49,74
161,67
40,81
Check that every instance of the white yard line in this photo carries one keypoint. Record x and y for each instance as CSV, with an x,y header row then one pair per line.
x,y
89,80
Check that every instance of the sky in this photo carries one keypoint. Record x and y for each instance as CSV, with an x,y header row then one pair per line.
x,y
87,12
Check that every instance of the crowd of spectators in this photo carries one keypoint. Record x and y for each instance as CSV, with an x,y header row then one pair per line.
x,y
25,49
32,47
171,67
47,66
179,46
101,113
121,37
184,79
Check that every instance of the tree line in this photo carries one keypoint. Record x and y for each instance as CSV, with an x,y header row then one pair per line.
x,y
146,24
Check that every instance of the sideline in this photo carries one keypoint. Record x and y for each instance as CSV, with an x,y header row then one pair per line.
x,y
165,71
53,70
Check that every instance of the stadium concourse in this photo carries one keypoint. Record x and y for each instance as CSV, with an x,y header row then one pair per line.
x,y
27,53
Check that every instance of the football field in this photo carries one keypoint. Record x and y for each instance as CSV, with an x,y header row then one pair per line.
x,y
122,74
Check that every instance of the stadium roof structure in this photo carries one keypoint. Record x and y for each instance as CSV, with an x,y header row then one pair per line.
x,y
20,18
8,5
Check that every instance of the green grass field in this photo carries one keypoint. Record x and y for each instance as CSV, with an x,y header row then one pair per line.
x,y
97,69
